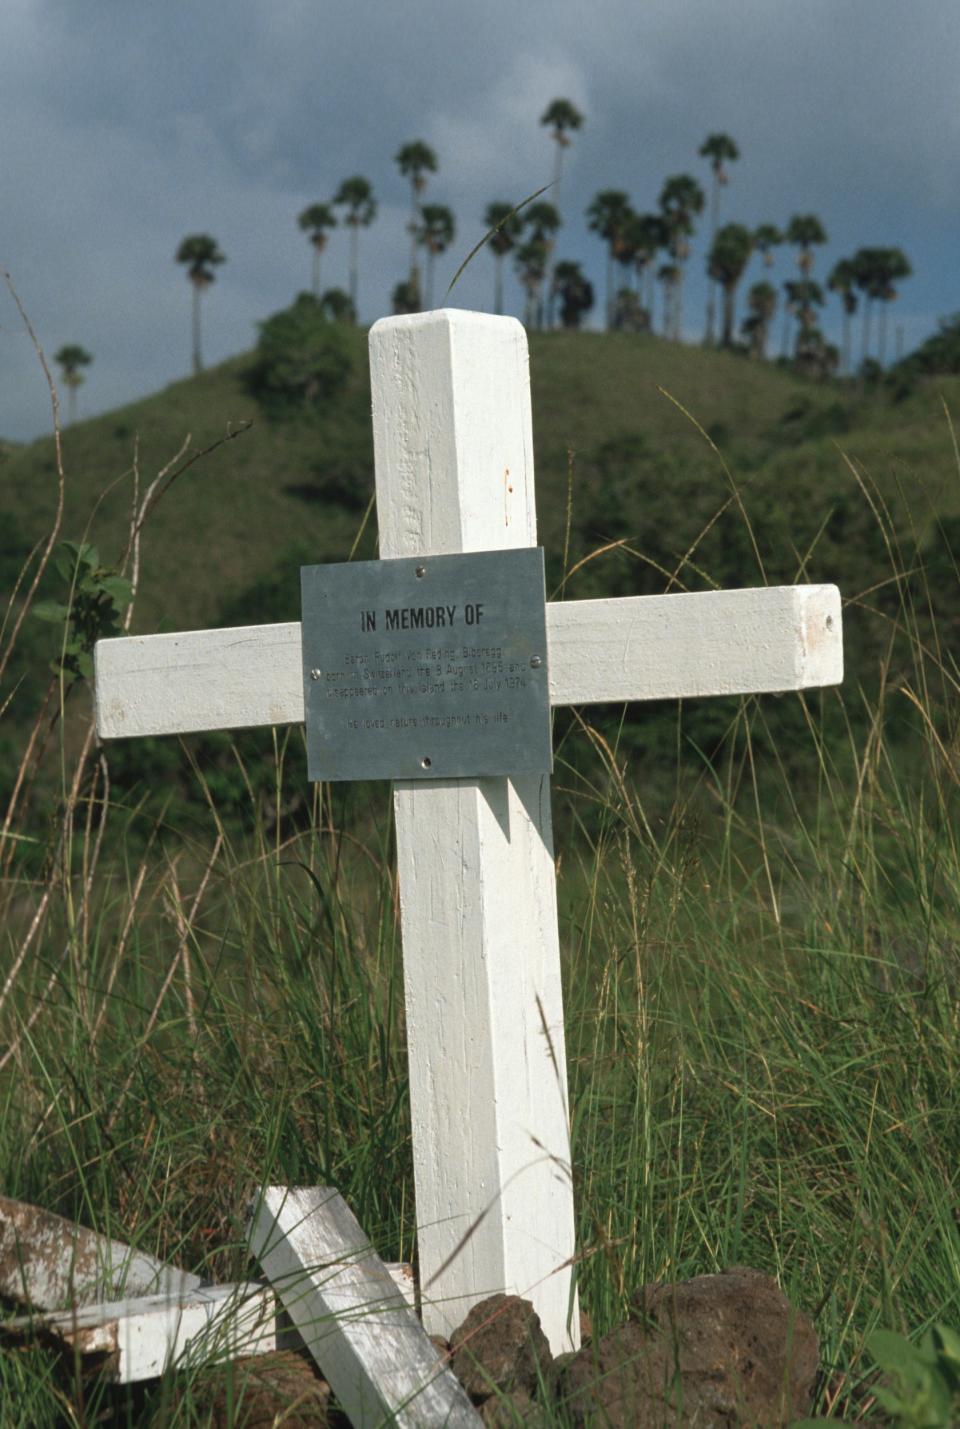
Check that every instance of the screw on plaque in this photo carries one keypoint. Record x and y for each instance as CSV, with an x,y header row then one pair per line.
x,y
426,762
420,571
315,674
535,662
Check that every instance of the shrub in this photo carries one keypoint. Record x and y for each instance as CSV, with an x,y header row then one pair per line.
x,y
302,359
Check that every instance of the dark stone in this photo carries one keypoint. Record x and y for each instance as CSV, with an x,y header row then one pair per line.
x,y
718,1351
500,1346
509,1411
262,1391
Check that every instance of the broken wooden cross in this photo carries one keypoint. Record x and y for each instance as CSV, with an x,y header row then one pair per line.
x,y
454,474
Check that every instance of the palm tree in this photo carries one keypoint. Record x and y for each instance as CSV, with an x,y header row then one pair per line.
x,y
406,297
356,196
728,257
681,198
668,274
891,266
70,359
338,306
767,236
314,221
531,260
843,280
719,149
415,160
648,234
803,296
608,215
438,229
864,263
542,221
506,226
762,304
805,229
574,291
200,254
562,117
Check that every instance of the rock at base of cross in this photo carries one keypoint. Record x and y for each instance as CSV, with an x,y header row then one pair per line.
x,y
500,1349
261,1392
720,1350
723,1351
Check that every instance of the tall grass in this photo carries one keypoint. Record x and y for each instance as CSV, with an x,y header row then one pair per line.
x,y
761,991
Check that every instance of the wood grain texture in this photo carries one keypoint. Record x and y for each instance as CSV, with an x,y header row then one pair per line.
x,y
491,1148
654,647
354,1321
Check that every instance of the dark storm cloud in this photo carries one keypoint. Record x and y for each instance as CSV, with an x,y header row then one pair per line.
x,y
129,124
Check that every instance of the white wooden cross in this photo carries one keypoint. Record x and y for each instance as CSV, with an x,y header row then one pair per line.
x,y
454,472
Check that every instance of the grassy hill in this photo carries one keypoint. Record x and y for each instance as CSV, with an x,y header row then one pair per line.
x,y
684,468
759,899
621,412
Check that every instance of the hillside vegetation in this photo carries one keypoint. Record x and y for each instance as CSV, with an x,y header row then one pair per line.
x,y
201,984
656,436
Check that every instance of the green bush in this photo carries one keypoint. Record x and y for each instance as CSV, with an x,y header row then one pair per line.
x,y
302,359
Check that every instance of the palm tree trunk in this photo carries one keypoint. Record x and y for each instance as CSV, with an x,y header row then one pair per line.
x,y
498,285
678,304
547,308
316,272
882,332
354,251
729,294
528,313
197,358
414,273
845,346
609,287
865,345
429,285
548,276
712,287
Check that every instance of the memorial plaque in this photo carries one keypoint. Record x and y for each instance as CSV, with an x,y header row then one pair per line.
x,y
432,668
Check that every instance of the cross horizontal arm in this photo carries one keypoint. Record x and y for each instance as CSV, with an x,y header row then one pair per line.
x,y
772,638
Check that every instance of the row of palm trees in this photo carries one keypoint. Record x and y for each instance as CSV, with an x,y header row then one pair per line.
x,y
646,248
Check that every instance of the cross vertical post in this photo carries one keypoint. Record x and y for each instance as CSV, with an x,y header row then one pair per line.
x,y
481,958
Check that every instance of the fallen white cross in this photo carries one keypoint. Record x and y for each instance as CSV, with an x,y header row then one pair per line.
x,y
51,1263
454,472
134,1340
366,1339
47,1261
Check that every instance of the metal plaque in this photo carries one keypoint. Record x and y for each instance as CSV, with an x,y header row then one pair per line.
x,y
427,668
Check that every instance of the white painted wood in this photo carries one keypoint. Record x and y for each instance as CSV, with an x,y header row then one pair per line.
x,y
142,1338
773,638
51,1263
728,642
491,1146
354,1321
198,679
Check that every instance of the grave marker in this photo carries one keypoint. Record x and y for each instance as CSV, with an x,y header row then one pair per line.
x,y
454,473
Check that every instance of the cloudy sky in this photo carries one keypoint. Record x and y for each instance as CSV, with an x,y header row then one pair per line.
x,y
128,124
